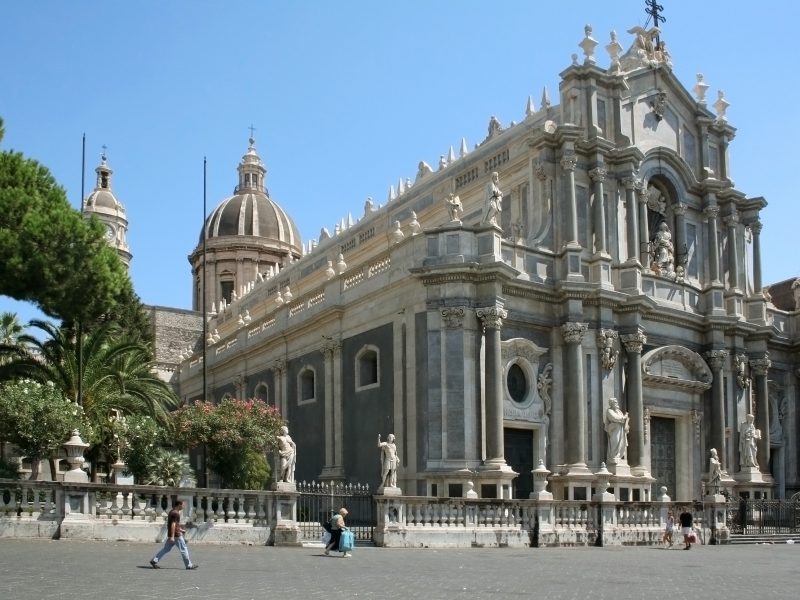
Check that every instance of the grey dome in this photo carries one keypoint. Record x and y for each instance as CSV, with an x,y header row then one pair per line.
x,y
252,214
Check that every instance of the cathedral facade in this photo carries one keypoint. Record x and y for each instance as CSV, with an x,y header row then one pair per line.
x,y
581,290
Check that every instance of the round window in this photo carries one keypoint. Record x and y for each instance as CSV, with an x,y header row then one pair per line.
x,y
517,383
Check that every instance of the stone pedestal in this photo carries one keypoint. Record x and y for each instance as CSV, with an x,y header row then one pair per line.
x,y
388,491
750,482
499,477
284,530
716,519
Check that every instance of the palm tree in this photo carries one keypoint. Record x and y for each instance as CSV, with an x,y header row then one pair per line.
x,y
117,374
10,328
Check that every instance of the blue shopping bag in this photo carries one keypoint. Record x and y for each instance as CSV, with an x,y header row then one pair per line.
x,y
346,541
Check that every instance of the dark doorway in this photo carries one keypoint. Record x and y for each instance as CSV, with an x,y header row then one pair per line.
x,y
662,455
518,449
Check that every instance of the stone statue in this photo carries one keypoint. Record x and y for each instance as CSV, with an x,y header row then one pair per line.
x,y
423,169
454,207
748,443
288,453
494,126
796,293
608,355
390,461
740,366
494,200
617,425
714,470
663,251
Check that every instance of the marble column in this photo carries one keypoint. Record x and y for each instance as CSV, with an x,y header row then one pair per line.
x,y
759,367
568,162
712,212
279,374
598,176
756,227
327,353
631,218
634,343
644,230
492,319
681,250
716,360
732,220
574,395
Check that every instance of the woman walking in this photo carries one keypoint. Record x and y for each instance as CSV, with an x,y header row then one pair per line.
x,y
337,526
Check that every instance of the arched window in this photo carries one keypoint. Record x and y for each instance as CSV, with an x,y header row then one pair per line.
x,y
306,386
262,393
367,371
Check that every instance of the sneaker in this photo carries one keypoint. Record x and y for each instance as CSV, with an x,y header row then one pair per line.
x,y
191,567
327,552
346,555
154,564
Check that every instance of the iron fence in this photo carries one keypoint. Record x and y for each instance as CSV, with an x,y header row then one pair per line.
x,y
318,501
763,517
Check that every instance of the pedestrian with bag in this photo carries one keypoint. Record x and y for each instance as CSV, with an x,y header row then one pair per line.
x,y
338,527
174,538
670,526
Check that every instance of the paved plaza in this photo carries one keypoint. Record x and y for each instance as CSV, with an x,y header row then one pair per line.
x,y
40,570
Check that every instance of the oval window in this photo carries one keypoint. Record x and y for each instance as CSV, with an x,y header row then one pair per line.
x,y
517,383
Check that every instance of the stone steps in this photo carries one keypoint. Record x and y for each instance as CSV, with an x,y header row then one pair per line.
x,y
766,538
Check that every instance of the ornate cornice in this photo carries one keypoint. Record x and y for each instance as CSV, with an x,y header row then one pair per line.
x,y
573,332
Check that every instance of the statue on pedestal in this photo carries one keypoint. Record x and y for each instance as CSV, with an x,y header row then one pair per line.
x,y
494,200
287,450
663,251
617,424
748,443
714,470
390,461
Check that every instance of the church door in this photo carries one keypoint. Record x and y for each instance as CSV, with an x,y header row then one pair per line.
x,y
662,455
518,449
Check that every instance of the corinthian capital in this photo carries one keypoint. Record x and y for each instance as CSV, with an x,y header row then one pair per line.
x,y
573,332
279,365
453,318
760,366
492,316
711,212
679,208
634,342
598,174
732,220
330,346
568,161
630,182
716,358
756,227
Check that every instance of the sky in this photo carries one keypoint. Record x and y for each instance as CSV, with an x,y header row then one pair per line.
x,y
346,98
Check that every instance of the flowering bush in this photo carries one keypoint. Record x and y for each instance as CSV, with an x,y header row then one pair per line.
x,y
142,440
37,418
233,431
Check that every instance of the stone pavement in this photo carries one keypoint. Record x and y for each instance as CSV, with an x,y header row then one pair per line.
x,y
44,570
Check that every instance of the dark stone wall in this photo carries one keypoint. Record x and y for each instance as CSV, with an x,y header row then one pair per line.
x,y
307,420
421,365
368,412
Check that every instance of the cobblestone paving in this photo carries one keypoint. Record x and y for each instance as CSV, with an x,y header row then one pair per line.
x,y
45,570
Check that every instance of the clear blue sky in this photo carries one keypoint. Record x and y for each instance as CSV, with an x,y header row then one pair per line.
x,y
346,98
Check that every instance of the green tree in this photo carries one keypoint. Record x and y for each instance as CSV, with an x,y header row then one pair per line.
x,y
10,328
116,375
169,468
36,418
51,255
233,432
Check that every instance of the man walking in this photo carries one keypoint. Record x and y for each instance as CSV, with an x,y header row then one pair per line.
x,y
174,538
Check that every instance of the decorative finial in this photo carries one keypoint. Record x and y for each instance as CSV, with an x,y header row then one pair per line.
x,y
614,48
588,45
252,134
530,109
103,155
700,89
721,106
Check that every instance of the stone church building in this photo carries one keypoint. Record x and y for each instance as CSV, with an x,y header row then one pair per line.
x,y
583,288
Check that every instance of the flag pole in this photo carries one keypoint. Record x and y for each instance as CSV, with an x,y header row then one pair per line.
x,y
204,316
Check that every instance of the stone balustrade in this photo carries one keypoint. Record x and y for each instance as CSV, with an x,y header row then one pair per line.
x,y
42,509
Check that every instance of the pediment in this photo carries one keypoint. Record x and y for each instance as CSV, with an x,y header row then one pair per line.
x,y
676,366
